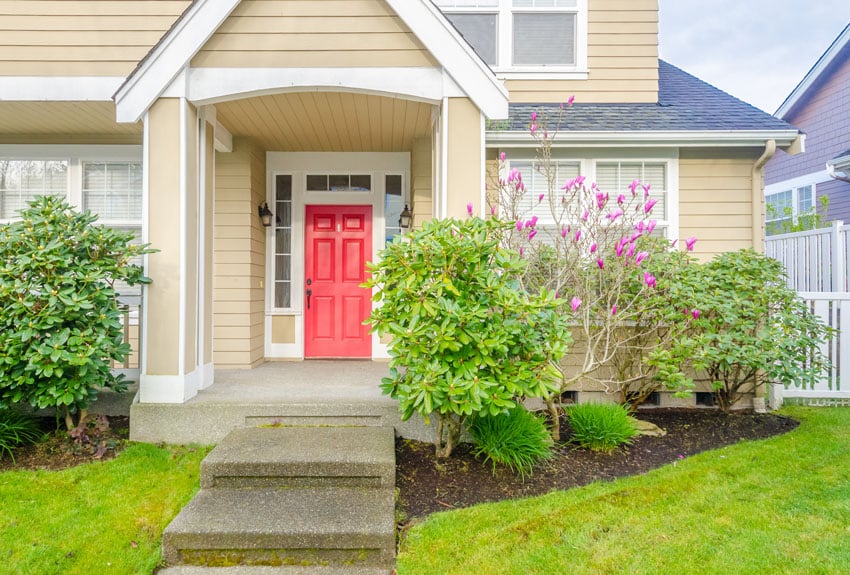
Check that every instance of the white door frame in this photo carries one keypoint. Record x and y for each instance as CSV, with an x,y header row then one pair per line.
x,y
298,165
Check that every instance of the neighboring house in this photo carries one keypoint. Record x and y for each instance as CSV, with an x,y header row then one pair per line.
x,y
183,119
820,107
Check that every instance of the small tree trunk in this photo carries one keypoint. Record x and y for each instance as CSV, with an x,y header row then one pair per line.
x,y
69,420
448,435
555,415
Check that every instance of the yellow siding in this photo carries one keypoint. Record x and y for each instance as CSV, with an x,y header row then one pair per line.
x,y
81,38
239,257
313,33
421,188
716,202
622,58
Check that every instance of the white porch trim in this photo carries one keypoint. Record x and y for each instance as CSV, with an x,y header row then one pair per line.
x,y
163,64
683,139
169,388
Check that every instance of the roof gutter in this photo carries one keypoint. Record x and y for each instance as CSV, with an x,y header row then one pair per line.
x,y
758,234
683,138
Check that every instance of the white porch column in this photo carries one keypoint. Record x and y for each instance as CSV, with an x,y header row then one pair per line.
x,y
172,354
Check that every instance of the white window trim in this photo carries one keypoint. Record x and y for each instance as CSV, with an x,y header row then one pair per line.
x,y
504,46
795,206
670,157
75,155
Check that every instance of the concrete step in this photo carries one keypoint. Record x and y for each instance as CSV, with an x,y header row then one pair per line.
x,y
302,457
288,570
330,526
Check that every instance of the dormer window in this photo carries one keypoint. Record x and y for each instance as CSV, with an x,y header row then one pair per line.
x,y
521,36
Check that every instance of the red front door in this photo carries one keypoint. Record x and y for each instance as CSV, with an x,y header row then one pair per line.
x,y
338,243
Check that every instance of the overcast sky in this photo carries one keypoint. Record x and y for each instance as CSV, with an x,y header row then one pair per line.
x,y
757,50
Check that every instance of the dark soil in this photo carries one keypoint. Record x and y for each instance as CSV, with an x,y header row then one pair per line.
x,y
427,485
103,440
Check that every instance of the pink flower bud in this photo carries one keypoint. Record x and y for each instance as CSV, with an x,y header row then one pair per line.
x,y
469,208
695,313
578,235
533,116
540,198
640,257
519,225
570,100
502,156
647,207
649,279
575,303
689,243
593,248
650,225
600,263
564,232
633,186
621,198
614,309
531,234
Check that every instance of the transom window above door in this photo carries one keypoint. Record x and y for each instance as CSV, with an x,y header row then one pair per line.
x,y
517,36
339,183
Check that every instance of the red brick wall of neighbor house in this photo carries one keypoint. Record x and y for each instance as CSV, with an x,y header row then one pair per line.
x,y
825,118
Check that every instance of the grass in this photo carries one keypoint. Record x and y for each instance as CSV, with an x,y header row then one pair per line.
x,y
780,505
104,517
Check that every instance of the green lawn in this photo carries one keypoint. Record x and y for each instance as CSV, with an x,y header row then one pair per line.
x,y
104,517
775,506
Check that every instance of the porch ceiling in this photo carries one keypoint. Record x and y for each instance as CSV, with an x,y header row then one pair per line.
x,y
327,122
65,122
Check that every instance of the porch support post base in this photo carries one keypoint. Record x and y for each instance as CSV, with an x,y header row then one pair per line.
x,y
208,375
169,388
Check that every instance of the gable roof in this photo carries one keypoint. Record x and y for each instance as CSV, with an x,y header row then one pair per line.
x,y
686,105
832,54
164,62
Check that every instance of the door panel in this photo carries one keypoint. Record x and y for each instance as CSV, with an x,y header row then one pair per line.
x,y
338,244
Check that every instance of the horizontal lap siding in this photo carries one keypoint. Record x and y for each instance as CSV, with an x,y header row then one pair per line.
x,y
314,33
622,58
83,37
239,258
715,203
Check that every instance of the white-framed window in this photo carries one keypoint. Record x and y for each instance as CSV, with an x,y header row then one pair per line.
x,y
785,208
282,247
394,202
615,177
523,36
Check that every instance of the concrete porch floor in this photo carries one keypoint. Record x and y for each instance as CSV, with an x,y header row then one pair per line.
x,y
296,393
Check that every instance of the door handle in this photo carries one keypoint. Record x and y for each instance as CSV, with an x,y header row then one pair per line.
x,y
309,293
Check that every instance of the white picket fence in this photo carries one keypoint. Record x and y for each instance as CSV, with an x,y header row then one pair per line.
x,y
816,263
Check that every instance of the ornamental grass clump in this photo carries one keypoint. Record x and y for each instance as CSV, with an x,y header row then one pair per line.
x,y
601,426
16,429
517,439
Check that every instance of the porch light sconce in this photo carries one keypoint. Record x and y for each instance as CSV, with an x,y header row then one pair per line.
x,y
266,215
404,219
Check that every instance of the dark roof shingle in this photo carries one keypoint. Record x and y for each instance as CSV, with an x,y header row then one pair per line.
x,y
685,103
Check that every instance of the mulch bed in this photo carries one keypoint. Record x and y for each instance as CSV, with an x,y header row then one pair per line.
x,y
60,451
427,485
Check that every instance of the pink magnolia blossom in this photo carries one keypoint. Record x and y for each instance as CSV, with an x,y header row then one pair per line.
x,y
639,226
631,251
520,251
533,129
640,257
521,186
647,207
578,235
519,225
569,185
585,215
614,309
540,198
618,249
650,225
635,237
689,243
469,208
600,263
570,100
695,313
646,188
534,116
621,198
502,156
633,186
575,303
614,215
580,180
649,279
593,248
564,232
514,175
533,221
492,210
531,234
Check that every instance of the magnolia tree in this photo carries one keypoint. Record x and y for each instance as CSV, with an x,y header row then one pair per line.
x,y
599,251
465,339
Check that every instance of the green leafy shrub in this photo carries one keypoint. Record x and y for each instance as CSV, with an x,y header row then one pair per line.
x,y
465,338
16,429
517,439
60,323
752,329
601,426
